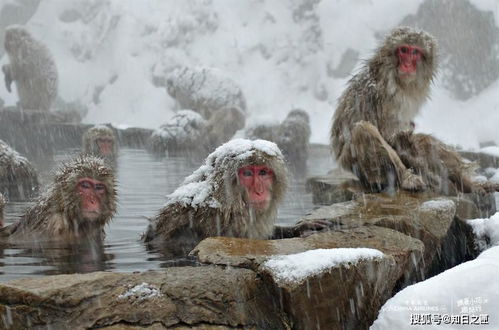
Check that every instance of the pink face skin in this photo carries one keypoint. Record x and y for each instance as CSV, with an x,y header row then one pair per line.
x,y
409,57
106,146
92,194
257,180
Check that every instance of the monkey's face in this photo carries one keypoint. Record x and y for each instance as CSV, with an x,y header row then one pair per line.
x,y
92,198
105,146
409,57
257,181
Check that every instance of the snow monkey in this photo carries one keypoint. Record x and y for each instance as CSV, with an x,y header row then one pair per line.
x,y
235,193
32,68
100,141
381,101
18,178
78,204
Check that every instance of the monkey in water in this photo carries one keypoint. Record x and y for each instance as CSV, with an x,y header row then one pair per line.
x,y
100,140
235,193
32,68
79,203
18,178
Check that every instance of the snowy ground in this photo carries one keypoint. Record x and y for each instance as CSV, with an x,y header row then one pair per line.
x,y
466,296
109,53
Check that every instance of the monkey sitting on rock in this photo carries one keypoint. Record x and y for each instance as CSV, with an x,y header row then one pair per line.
x,y
372,131
18,178
32,68
79,203
235,193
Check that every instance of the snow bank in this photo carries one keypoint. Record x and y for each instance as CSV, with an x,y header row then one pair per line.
x,y
486,231
464,295
297,267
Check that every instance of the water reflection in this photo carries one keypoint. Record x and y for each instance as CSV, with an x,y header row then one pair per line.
x,y
143,183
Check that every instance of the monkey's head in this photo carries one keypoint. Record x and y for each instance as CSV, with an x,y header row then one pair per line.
x,y
100,141
240,174
411,53
15,37
254,172
85,192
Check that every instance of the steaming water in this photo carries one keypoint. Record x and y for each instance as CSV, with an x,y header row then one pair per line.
x,y
144,182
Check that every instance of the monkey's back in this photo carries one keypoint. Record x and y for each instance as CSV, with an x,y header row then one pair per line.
x,y
35,74
358,102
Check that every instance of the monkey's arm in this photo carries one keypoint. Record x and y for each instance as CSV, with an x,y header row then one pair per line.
x,y
301,229
8,77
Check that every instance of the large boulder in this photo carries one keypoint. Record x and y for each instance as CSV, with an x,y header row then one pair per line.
x,y
200,297
343,295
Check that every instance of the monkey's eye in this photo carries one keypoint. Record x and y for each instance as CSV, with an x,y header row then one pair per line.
x,y
415,51
404,50
85,184
100,187
247,173
263,172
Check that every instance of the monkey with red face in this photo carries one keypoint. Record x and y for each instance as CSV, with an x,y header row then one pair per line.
x,y
235,193
372,132
381,101
100,141
80,202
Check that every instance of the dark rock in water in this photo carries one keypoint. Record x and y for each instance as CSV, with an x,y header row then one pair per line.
x,y
461,29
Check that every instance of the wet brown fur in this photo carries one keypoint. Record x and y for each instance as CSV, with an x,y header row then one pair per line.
x,y
56,214
232,217
377,105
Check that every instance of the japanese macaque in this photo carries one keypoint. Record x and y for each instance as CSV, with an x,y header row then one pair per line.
x,y
204,90
292,136
100,141
215,96
381,101
235,193
372,132
32,68
77,205
221,126
2,205
18,178
182,133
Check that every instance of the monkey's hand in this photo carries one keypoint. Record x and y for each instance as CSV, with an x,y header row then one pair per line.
x,y
7,77
412,182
